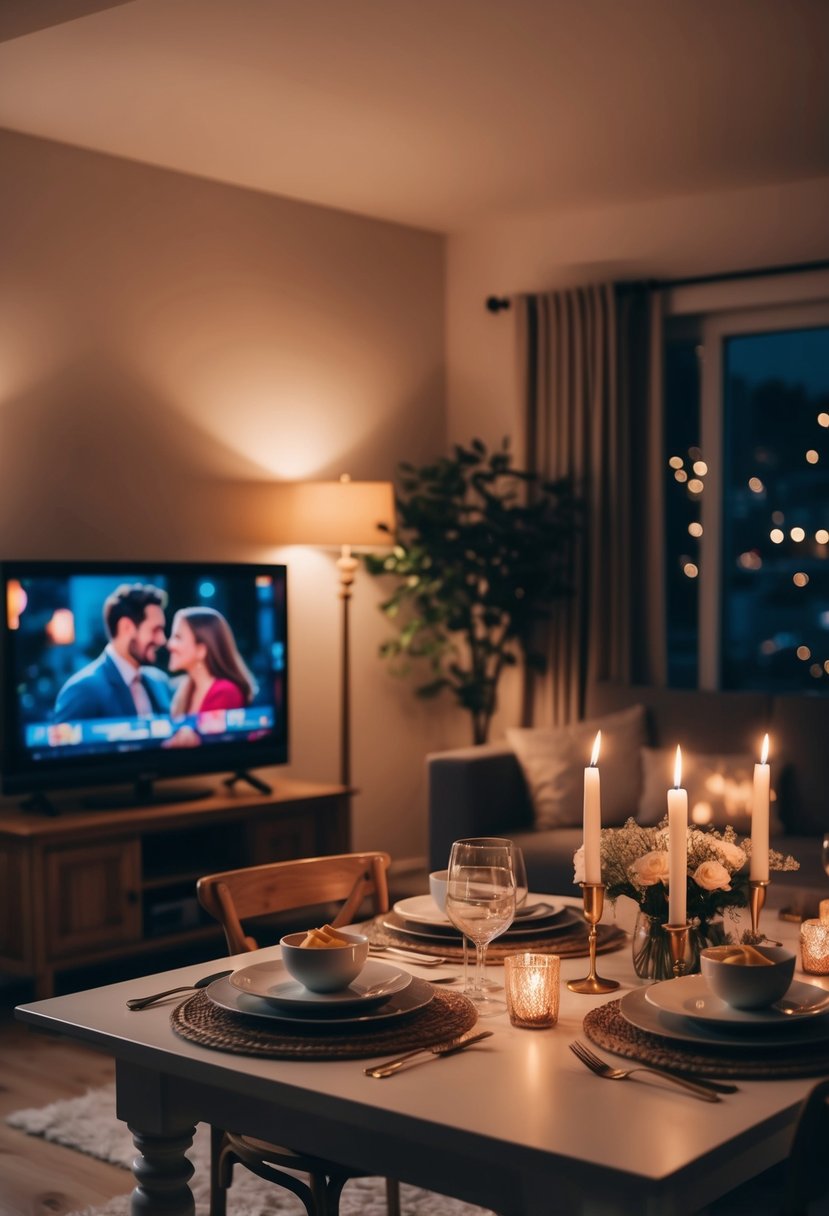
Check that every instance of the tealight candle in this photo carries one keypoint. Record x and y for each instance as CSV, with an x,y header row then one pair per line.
x,y
759,869
531,982
677,848
593,817
814,947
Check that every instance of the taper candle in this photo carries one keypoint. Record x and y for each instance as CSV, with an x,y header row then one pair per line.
x,y
759,869
677,847
593,817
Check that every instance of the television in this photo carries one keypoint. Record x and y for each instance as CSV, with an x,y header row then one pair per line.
x,y
124,673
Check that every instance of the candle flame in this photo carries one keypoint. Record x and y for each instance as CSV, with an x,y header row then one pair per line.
x,y
678,769
597,742
764,754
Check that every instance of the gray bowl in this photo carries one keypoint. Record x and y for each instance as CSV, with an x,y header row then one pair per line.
x,y
329,969
743,986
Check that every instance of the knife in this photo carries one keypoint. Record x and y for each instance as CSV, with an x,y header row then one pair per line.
x,y
441,1049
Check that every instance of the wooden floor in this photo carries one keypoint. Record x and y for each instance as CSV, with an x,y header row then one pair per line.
x,y
37,1178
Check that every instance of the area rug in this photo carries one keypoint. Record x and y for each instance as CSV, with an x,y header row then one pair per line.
x,y
88,1125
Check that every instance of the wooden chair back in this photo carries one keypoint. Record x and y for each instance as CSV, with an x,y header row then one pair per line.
x,y
281,886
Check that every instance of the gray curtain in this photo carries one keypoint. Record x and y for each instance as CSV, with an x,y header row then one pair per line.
x,y
591,367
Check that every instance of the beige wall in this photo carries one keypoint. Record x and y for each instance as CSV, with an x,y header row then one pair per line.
x,y
161,337
667,238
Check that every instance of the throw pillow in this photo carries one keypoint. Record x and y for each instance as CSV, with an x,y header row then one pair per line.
x,y
720,789
553,761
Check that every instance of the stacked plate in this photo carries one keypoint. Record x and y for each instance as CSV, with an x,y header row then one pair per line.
x,y
687,1011
380,994
420,919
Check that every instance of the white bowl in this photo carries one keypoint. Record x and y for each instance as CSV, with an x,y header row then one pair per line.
x,y
437,887
328,968
749,987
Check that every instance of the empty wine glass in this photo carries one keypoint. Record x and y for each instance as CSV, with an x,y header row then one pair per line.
x,y
520,871
480,901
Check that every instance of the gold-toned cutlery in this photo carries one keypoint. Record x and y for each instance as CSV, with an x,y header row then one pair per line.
x,y
390,1067
602,1069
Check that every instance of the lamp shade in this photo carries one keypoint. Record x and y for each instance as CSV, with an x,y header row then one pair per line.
x,y
333,512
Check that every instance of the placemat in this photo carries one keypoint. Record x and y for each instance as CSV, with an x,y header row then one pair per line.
x,y
567,944
607,1027
448,1015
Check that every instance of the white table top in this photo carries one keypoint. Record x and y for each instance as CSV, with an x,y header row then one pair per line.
x,y
519,1095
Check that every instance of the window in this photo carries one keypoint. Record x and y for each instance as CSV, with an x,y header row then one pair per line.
x,y
747,498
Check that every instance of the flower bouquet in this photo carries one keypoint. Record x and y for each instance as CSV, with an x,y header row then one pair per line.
x,y
635,863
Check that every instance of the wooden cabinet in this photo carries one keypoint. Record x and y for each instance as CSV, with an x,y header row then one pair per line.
x,y
87,887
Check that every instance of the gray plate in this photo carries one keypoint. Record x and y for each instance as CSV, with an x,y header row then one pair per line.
x,y
636,1009
222,993
561,922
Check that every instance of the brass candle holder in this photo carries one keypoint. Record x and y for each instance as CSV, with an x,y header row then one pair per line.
x,y
593,899
678,943
756,900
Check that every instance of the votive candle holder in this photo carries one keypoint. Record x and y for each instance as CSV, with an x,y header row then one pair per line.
x,y
531,982
814,947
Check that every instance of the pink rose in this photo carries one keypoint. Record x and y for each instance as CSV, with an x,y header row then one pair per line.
x,y
650,869
578,865
712,876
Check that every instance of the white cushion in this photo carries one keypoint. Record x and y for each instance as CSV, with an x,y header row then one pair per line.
x,y
553,761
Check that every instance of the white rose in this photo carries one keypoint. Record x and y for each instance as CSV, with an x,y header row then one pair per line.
x,y
578,865
650,869
712,876
731,853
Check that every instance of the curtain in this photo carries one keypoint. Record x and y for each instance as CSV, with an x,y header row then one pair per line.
x,y
591,371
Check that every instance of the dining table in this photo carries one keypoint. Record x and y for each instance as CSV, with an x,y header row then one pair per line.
x,y
516,1123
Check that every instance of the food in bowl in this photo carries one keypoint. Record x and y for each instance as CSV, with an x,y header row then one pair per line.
x,y
748,977
325,967
322,939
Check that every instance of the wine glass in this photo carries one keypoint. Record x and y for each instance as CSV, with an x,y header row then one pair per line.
x,y
480,901
520,871
824,853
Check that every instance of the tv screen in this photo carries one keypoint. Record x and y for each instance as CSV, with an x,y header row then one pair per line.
x,y
133,671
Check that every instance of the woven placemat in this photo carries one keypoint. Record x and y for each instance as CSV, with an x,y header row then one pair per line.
x,y
389,930
448,1015
607,1027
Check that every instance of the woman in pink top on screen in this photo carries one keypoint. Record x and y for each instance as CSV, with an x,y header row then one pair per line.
x,y
215,675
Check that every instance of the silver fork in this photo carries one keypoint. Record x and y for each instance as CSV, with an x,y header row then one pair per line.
x,y
602,1069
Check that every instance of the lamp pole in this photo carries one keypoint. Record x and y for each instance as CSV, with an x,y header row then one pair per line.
x,y
347,566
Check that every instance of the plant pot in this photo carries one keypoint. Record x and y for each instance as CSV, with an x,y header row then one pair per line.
x,y
652,951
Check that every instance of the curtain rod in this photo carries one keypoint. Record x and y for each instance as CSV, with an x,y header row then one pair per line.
x,y
500,303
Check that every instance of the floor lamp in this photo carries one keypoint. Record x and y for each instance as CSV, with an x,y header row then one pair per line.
x,y
339,514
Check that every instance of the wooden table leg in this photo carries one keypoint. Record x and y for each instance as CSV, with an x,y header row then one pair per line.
x,y
162,1172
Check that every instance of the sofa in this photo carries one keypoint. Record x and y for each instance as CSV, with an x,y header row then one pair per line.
x,y
482,791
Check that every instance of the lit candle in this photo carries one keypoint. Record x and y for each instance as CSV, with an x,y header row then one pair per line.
x,y
677,847
759,870
593,817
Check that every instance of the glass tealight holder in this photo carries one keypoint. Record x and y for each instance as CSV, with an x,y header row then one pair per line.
x,y
531,982
814,947
824,911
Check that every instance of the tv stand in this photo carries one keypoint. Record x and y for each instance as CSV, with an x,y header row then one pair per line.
x,y
87,888
256,782
143,793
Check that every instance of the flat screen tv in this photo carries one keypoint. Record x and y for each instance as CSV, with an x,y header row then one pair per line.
x,y
124,673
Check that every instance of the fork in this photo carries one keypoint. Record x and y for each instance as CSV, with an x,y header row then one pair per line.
x,y
602,1069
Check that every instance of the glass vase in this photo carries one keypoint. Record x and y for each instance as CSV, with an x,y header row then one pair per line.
x,y
652,951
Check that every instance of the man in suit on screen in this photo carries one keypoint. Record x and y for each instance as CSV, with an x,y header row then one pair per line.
x,y
123,681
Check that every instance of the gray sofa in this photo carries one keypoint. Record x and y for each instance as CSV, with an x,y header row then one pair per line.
x,y
481,791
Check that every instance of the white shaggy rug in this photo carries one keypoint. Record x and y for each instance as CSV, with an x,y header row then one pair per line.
x,y
88,1124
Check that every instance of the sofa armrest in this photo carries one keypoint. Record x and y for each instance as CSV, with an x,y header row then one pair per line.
x,y
474,791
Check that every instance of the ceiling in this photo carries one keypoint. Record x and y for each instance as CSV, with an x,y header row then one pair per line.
x,y
442,114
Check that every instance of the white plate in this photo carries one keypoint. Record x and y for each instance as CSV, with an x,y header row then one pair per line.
x,y
422,910
273,982
636,1009
690,997
563,922
414,996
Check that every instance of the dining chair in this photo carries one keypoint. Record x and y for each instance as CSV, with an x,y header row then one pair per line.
x,y
237,896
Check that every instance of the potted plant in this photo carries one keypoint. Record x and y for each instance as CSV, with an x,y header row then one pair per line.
x,y
481,552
